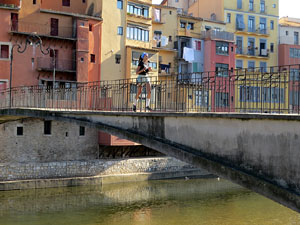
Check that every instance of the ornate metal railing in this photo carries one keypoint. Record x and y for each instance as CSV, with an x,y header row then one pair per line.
x,y
259,90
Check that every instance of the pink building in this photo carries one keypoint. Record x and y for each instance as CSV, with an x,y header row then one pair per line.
x,y
73,36
219,61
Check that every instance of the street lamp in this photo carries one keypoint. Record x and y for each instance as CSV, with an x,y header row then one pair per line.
x,y
32,39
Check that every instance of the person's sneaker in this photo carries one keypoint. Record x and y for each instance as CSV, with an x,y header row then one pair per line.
x,y
134,108
148,108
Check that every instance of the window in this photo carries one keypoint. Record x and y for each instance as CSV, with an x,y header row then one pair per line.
x,y
54,27
118,58
249,94
296,38
239,45
198,45
272,24
157,15
142,11
170,38
286,33
137,33
222,48
262,6
251,24
294,53
294,74
240,25
263,67
273,95
274,6
47,127
14,21
34,2
83,1
120,4
120,30
222,70
4,51
239,4
182,24
201,98
251,66
222,99
81,131
91,27
239,64
19,131
228,20
93,58
262,25
66,2
190,26
170,12
272,47
251,5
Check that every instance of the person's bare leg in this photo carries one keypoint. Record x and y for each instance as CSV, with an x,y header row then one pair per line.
x,y
148,89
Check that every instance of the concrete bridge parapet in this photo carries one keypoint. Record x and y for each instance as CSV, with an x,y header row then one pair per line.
x,y
258,151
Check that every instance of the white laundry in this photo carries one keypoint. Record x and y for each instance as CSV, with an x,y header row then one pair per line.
x,y
164,41
188,54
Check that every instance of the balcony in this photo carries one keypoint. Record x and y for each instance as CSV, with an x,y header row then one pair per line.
x,y
46,64
217,35
253,52
43,30
252,31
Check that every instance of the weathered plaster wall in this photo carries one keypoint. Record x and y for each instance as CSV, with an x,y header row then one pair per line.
x,y
64,143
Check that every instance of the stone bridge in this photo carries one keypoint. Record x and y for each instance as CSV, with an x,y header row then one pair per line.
x,y
258,151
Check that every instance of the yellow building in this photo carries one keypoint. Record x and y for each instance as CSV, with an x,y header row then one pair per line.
x,y
164,27
255,23
126,34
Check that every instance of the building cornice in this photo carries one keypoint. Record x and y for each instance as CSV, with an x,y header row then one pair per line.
x,y
71,14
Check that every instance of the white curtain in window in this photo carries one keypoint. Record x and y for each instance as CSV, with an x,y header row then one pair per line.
x,y
157,15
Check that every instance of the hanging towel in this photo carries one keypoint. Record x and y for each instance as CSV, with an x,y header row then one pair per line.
x,y
164,41
188,54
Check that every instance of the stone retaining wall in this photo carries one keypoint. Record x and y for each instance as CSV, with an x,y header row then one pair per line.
x,y
69,169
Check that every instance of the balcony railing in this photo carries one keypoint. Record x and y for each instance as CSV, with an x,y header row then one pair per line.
x,y
252,52
10,6
47,64
220,35
264,31
42,29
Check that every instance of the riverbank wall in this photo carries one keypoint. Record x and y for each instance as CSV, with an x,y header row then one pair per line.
x,y
18,176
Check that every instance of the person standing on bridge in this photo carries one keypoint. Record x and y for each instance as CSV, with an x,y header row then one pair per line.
x,y
142,70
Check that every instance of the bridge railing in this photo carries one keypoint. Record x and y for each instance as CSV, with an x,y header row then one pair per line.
x,y
256,90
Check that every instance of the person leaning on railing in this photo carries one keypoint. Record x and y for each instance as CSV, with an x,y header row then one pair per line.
x,y
142,70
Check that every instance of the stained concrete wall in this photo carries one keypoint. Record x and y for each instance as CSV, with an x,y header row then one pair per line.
x,y
64,143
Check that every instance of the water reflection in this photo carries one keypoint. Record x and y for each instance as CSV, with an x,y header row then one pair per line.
x,y
176,202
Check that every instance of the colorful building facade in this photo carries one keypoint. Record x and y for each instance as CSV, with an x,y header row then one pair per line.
x,y
72,36
289,58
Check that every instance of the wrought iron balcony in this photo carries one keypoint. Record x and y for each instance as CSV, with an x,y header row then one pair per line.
x,y
43,30
252,52
47,64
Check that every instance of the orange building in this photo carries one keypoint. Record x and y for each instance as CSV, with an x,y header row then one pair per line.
x,y
69,28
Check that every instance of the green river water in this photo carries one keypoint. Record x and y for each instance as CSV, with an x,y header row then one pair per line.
x,y
167,202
